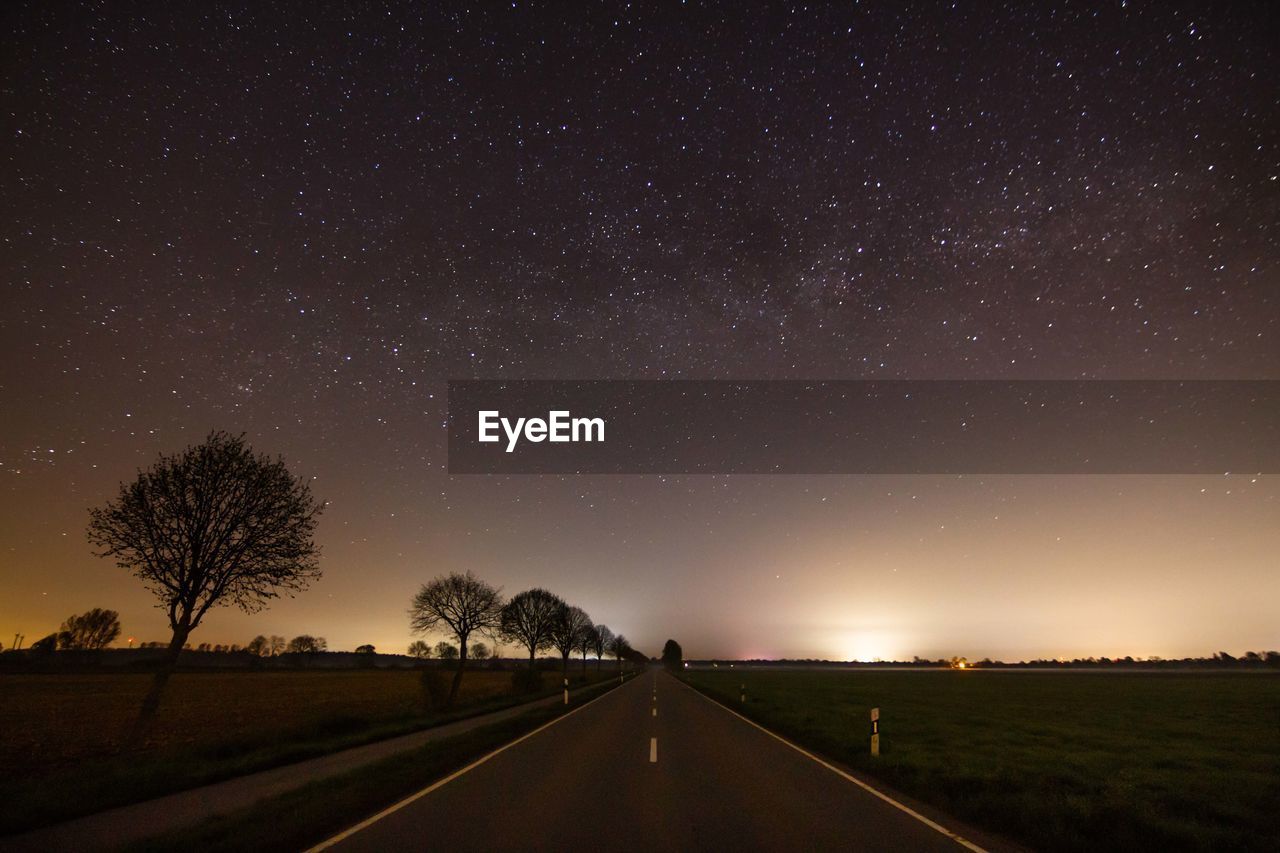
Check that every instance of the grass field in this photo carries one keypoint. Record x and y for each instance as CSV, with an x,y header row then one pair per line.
x,y
1058,761
63,732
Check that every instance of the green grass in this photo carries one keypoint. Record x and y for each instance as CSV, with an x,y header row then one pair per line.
x,y
302,818
64,736
1058,761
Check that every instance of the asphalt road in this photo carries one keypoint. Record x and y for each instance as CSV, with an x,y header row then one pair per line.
x,y
652,765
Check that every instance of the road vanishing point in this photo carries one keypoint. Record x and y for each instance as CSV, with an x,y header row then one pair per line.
x,y
650,765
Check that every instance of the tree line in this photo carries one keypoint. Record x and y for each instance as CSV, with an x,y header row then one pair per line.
x,y
464,606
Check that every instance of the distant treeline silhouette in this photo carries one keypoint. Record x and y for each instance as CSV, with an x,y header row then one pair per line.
x,y
1219,660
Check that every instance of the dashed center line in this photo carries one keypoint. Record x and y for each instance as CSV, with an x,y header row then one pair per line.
x,y
653,750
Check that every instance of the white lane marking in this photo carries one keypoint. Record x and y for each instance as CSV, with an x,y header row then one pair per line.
x,y
653,750
655,712
963,842
364,824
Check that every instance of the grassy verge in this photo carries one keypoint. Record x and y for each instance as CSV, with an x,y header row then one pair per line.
x,y
314,812
1059,761
94,784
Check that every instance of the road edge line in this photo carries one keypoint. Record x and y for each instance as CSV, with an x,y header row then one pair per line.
x,y
932,824
440,783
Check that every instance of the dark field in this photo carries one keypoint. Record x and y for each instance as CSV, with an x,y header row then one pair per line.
x,y
1058,761
63,731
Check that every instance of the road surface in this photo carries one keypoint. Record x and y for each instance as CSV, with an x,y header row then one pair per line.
x,y
652,765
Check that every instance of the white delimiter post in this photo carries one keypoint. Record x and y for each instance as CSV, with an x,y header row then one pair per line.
x,y
875,731
742,693
566,691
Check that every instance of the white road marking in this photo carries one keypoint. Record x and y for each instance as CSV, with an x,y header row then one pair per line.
x,y
963,842
655,712
347,833
653,750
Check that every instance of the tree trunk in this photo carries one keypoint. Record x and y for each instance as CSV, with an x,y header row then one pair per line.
x,y
532,652
564,666
151,703
584,665
457,676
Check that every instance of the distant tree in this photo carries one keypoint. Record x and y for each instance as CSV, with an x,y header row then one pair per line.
x,y
529,619
203,647
419,650
366,649
618,647
95,629
45,645
602,639
672,655
570,625
464,605
257,646
447,651
586,642
307,644
214,525
276,645
479,651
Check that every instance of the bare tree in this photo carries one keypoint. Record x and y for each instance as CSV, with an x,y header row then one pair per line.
x,y
419,650
95,629
257,646
462,603
479,651
586,642
307,644
566,633
276,645
447,651
601,640
214,525
529,619
618,647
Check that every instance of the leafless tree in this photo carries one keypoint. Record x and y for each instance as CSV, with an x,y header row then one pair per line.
x,y
567,631
214,525
602,639
462,603
586,642
618,647
419,650
307,644
95,629
529,619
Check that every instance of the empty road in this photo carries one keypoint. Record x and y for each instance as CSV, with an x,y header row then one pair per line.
x,y
652,765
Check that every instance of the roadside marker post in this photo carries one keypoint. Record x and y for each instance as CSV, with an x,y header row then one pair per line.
x,y
875,731
566,691
742,693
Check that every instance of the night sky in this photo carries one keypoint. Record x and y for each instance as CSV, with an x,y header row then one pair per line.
x,y
300,222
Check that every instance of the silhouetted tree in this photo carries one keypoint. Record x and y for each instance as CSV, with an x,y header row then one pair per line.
x,y
276,645
257,646
462,603
307,644
366,649
479,651
214,525
447,651
95,629
45,645
602,639
567,631
672,655
529,619
419,649
586,642
618,647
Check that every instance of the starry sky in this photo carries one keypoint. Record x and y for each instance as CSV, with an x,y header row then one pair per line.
x,y
300,221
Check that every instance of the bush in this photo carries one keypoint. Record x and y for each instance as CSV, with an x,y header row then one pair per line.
x,y
526,681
